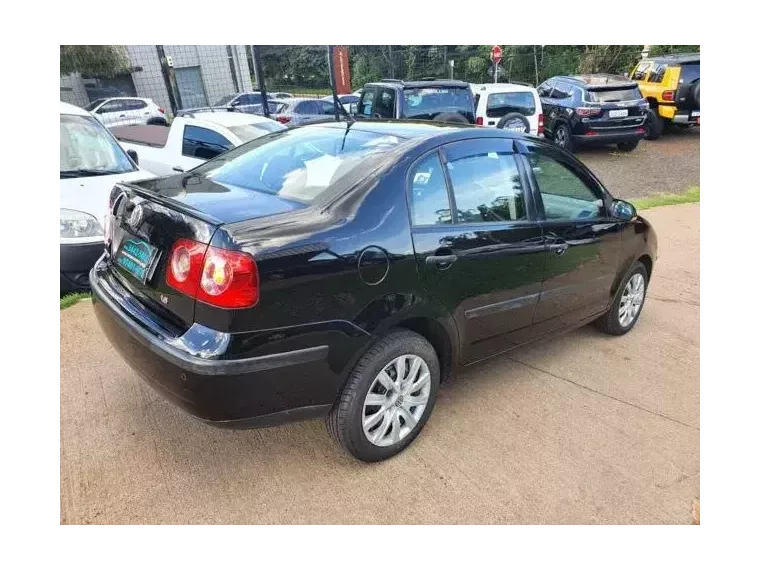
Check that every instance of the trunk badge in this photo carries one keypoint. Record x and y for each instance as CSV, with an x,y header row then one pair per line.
x,y
164,299
136,216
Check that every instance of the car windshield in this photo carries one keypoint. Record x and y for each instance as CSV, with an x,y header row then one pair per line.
x,y
499,104
611,95
296,164
94,104
87,149
224,100
433,100
249,132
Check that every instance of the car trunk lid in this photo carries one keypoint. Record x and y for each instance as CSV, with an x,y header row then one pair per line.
x,y
622,106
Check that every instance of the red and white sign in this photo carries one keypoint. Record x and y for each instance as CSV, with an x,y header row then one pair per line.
x,y
496,54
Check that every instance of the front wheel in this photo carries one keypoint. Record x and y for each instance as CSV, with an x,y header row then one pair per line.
x,y
626,307
388,398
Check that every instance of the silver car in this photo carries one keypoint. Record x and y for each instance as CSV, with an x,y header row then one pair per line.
x,y
302,111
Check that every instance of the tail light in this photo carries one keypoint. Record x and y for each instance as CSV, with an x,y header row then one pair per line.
x,y
216,276
540,124
161,110
282,119
479,121
641,130
591,133
668,96
588,111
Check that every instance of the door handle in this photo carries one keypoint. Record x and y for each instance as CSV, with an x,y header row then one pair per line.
x,y
122,116
440,261
177,169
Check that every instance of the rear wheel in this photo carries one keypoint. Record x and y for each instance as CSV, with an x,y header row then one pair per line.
x,y
562,137
626,307
654,125
388,397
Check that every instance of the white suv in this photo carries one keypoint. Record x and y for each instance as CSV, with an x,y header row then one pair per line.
x,y
508,106
122,111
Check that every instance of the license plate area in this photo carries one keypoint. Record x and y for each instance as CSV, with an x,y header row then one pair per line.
x,y
136,257
617,113
695,113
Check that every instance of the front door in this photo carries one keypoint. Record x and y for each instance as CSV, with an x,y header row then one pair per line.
x,y
583,240
479,249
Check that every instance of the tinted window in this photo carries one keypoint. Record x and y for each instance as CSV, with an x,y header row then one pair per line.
x,y
612,95
111,107
641,70
544,90
430,101
198,142
430,198
487,188
499,104
561,91
226,100
689,73
308,108
249,99
299,164
384,104
657,73
134,105
328,107
94,104
564,194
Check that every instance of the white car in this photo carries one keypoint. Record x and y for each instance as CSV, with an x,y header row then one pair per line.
x,y
118,111
91,163
193,138
501,105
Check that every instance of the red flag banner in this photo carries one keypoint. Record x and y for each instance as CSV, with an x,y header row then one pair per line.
x,y
341,71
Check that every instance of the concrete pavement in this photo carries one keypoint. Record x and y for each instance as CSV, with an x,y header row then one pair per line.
x,y
583,428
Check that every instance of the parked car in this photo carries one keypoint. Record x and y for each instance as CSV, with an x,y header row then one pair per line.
x,y
248,100
593,109
91,163
349,102
670,84
120,111
302,111
510,106
345,269
435,100
192,139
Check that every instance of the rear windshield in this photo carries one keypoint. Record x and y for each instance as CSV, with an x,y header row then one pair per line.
x,y
611,95
689,72
434,100
296,164
499,104
249,132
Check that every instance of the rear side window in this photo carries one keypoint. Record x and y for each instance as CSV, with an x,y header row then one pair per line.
x,y
612,95
198,142
564,194
561,91
135,105
487,188
640,73
430,198
658,73
499,104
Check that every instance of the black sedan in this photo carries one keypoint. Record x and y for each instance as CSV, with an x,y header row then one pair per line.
x,y
347,269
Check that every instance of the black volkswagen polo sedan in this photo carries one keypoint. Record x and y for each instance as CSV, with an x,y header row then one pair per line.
x,y
345,270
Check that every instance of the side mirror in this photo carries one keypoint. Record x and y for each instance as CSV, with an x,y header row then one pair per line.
x,y
133,155
623,210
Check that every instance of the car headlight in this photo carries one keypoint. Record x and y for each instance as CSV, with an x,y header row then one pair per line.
x,y
76,225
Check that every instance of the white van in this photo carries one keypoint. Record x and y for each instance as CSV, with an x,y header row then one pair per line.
x,y
502,105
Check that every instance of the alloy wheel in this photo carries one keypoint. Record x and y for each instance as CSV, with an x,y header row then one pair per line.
x,y
631,300
560,137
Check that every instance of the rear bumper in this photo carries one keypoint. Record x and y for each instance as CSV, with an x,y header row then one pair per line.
x,y
609,137
76,261
195,370
686,118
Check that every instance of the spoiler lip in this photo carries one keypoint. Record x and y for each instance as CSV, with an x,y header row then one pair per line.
x,y
173,204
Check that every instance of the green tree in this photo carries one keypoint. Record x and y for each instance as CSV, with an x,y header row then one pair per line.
x,y
97,61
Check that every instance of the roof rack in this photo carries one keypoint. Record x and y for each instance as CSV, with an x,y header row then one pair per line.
x,y
521,83
191,112
392,80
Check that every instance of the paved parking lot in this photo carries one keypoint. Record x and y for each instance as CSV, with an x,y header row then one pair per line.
x,y
584,428
668,165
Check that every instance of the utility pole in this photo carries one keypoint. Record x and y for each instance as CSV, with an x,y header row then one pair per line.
x,y
259,71
167,71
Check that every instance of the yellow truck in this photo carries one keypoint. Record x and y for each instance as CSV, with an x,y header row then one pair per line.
x,y
670,84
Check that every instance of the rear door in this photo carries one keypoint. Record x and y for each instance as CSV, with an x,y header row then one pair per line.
x,y
479,249
546,94
583,240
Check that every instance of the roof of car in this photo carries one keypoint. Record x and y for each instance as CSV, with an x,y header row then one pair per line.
x,y
675,58
596,79
421,84
500,87
403,129
69,109
230,119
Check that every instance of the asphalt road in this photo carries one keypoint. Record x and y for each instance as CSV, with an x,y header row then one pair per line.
x,y
668,165
584,428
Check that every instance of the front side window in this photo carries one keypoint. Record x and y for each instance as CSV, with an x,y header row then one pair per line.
x,y
367,103
198,142
384,104
430,198
487,188
88,149
564,194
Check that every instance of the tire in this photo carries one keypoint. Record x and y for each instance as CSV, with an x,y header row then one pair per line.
x,y
349,413
158,121
654,125
695,93
611,322
451,118
628,146
562,137
514,122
